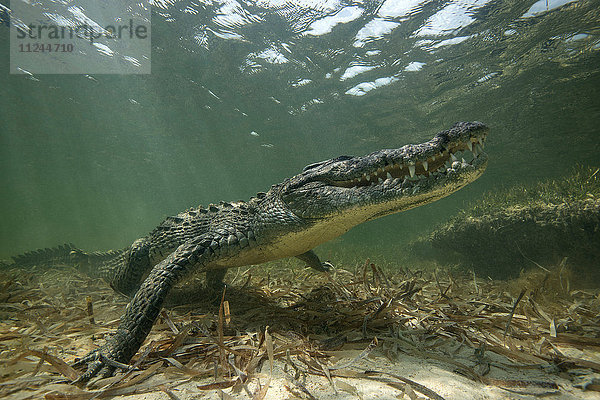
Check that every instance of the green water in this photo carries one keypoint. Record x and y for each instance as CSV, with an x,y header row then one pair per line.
x,y
99,160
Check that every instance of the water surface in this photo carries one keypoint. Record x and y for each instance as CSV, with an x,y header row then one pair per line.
x,y
245,93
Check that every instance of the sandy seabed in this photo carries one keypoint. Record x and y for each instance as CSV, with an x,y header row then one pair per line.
x,y
281,332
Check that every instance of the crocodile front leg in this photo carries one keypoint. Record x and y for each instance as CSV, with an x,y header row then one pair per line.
x,y
143,309
312,260
214,280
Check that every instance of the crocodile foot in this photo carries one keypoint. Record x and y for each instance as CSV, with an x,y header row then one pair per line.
x,y
100,363
326,266
321,266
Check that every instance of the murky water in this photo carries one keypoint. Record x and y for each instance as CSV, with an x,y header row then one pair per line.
x,y
244,94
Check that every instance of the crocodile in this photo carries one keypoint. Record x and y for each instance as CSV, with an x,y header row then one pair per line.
x,y
320,203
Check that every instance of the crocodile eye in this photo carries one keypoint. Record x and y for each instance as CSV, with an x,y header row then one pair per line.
x,y
342,158
312,166
320,163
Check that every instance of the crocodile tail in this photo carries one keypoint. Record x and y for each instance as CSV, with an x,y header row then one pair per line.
x,y
48,256
97,263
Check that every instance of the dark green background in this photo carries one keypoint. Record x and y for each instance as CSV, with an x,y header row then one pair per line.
x,y
81,162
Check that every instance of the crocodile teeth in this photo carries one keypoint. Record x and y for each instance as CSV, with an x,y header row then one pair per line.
x,y
367,177
379,180
480,140
470,145
479,148
475,152
388,175
425,165
411,169
453,157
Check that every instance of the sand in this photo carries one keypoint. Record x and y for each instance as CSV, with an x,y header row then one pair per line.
x,y
365,334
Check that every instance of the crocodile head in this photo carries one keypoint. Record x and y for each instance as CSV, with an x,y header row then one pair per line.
x,y
350,190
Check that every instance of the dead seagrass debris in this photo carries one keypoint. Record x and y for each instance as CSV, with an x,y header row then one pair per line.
x,y
313,321
524,227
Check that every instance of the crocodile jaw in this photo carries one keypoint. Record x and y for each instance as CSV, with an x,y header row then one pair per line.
x,y
341,193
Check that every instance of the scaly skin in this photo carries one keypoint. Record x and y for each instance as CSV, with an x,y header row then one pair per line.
x,y
322,202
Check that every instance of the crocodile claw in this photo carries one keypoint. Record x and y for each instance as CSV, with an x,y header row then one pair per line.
x,y
99,364
322,266
326,265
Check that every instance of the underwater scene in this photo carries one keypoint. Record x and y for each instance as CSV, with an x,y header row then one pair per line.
x,y
300,199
